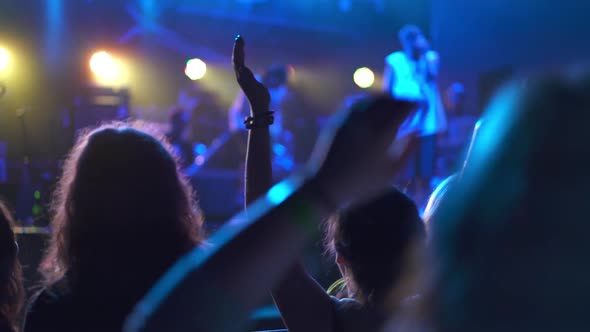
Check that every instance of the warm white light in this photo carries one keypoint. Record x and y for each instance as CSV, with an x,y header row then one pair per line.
x,y
4,58
106,69
101,62
195,69
364,77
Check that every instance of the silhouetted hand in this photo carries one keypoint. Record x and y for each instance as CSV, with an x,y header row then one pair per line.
x,y
255,91
356,155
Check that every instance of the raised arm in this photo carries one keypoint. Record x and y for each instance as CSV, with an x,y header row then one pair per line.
x,y
215,287
258,178
303,303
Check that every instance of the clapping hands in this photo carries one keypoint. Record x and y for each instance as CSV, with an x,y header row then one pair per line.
x,y
356,155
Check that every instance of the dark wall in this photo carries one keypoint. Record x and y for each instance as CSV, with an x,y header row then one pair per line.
x,y
480,36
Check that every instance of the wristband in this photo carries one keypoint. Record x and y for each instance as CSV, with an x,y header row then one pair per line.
x,y
260,121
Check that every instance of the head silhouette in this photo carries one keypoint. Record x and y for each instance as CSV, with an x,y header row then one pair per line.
x,y
11,284
510,237
122,214
372,242
276,76
412,39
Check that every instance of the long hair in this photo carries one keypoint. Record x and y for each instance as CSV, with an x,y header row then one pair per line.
x,y
122,214
374,238
511,237
11,283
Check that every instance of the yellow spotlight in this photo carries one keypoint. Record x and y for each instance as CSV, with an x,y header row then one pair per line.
x,y
364,77
101,62
195,69
106,69
4,58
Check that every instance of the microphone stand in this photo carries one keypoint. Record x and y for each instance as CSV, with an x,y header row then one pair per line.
x,y
25,197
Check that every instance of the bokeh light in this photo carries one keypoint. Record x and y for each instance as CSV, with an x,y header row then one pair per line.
x,y
195,69
4,58
106,69
279,149
364,77
101,63
200,149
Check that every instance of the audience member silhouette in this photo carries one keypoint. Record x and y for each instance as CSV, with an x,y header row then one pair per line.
x,y
371,241
216,288
11,284
510,237
122,214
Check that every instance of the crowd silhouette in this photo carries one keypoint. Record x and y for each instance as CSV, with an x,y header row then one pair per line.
x,y
503,247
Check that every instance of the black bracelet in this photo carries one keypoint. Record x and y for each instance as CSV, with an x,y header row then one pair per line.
x,y
260,121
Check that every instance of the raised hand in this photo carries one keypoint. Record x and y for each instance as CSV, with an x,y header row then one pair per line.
x,y
255,91
356,155
354,160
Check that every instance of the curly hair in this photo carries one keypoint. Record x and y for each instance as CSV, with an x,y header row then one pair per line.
x,y
121,214
11,283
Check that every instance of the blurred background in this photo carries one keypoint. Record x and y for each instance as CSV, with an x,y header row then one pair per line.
x,y
66,65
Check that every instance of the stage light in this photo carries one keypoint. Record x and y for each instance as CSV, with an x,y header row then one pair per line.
x,y
200,149
106,69
195,69
364,77
102,63
4,58
279,149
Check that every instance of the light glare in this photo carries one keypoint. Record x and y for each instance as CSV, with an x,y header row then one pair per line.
x,y
4,58
106,69
195,69
364,77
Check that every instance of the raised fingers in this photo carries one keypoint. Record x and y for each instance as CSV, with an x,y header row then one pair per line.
x,y
238,56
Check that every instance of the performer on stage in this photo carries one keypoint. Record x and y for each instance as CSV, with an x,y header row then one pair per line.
x,y
411,74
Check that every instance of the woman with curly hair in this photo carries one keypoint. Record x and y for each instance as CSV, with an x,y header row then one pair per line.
x,y
122,214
